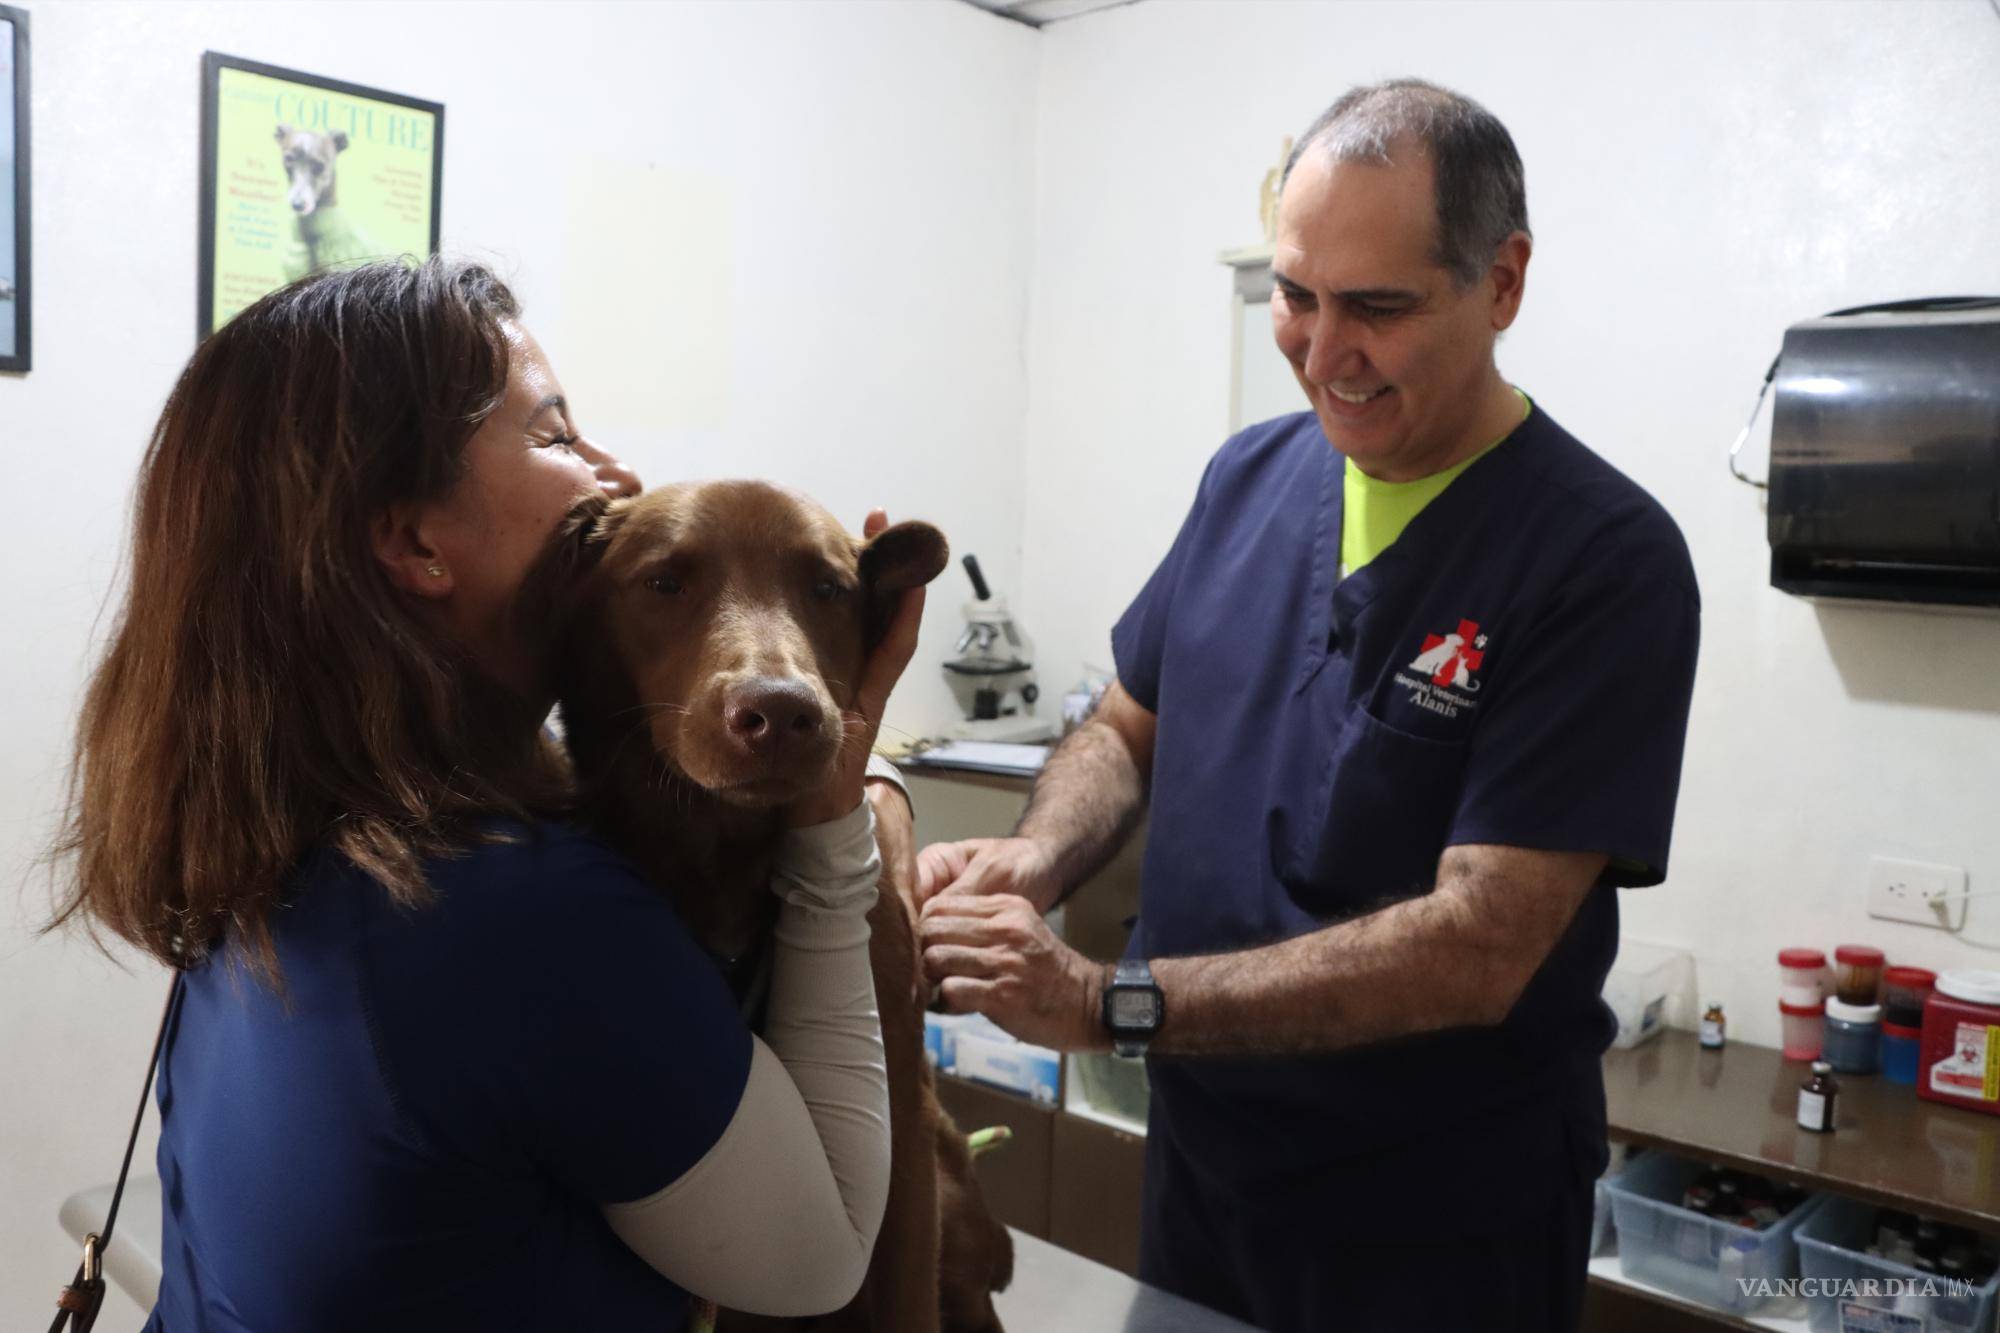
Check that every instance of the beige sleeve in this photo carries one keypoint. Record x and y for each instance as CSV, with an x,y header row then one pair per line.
x,y
881,768
780,1216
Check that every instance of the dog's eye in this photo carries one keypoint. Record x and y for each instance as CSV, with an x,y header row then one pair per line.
x,y
829,590
665,584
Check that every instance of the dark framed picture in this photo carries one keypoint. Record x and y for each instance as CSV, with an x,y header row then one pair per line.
x,y
301,174
15,270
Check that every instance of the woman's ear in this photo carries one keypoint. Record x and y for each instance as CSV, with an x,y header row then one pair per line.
x,y
412,564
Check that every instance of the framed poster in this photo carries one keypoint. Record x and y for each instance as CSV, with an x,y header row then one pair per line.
x,y
14,211
301,174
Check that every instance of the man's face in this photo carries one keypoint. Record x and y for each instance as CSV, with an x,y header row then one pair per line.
x,y
1394,358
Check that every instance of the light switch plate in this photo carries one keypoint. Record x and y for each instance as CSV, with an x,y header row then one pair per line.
x,y
1916,892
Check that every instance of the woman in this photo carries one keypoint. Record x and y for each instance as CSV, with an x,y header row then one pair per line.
x,y
440,1061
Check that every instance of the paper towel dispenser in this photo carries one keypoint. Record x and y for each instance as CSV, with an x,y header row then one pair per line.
x,y
1885,456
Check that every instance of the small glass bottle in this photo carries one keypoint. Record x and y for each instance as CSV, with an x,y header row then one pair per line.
x,y
1713,1026
1816,1098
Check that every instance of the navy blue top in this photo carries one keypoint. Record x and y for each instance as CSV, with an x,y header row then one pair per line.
x,y
1515,668
418,1135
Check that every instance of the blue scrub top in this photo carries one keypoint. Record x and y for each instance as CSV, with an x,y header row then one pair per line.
x,y
418,1132
1516,669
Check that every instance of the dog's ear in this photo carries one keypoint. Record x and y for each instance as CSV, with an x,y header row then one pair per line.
x,y
340,141
555,584
589,526
556,599
896,559
284,133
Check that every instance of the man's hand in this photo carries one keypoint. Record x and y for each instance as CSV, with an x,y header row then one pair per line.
x,y
980,866
994,954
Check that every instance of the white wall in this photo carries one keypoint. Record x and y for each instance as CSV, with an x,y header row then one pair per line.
x,y
1699,176
829,202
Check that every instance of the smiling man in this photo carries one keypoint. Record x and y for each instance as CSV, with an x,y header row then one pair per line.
x,y
1408,697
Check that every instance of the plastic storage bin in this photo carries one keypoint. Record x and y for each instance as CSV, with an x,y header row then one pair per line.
x,y
1830,1249
1601,1229
1107,1088
1693,1256
1639,986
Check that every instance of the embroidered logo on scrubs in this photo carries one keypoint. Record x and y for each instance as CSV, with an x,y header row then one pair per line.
x,y
1442,682
1450,659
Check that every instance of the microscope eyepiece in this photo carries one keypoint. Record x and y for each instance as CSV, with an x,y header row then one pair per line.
x,y
979,588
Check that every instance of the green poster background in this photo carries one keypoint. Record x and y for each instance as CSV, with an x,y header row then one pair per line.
x,y
382,182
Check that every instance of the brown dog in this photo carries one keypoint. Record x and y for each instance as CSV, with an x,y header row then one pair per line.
x,y
712,635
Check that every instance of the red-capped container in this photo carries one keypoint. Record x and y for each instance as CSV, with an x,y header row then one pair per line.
x,y
1857,973
1960,1061
1801,977
1904,990
1804,1028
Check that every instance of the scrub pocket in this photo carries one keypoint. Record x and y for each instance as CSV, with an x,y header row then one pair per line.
x,y
1376,822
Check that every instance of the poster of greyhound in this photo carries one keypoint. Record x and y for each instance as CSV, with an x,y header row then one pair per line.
x,y
301,173
14,209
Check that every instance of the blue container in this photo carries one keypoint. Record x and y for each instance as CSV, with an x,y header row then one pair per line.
x,y
1853,1037
1901,1056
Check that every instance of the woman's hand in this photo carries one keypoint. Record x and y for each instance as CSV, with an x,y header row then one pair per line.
x,y
842,792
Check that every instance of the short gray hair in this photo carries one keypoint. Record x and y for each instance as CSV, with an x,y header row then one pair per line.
x,y
1482,195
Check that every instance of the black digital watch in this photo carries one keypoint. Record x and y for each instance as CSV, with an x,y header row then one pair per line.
x,y
1134,1008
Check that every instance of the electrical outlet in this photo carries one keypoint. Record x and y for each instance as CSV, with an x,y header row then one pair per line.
x,y
1924,895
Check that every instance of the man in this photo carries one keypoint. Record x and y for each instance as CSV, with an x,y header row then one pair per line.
x,y
1408,697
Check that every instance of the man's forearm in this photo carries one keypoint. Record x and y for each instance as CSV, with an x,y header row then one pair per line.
x,y
1086,802
1459,956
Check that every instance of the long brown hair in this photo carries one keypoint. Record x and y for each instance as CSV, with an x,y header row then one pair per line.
x,y
266,688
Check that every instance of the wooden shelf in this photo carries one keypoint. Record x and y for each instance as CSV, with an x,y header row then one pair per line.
x,y
1737,1107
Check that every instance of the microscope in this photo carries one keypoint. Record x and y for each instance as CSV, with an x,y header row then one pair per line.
x,y
992,672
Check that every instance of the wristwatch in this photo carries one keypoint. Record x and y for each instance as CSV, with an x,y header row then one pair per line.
x,y
1134,1008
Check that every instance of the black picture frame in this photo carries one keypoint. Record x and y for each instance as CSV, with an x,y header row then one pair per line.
x,y
19,309
213,64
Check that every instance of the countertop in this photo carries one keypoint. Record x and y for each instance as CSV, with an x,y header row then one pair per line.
x,y
1738,1106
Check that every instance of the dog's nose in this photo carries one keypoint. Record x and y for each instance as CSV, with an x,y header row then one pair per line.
x,y
767,714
